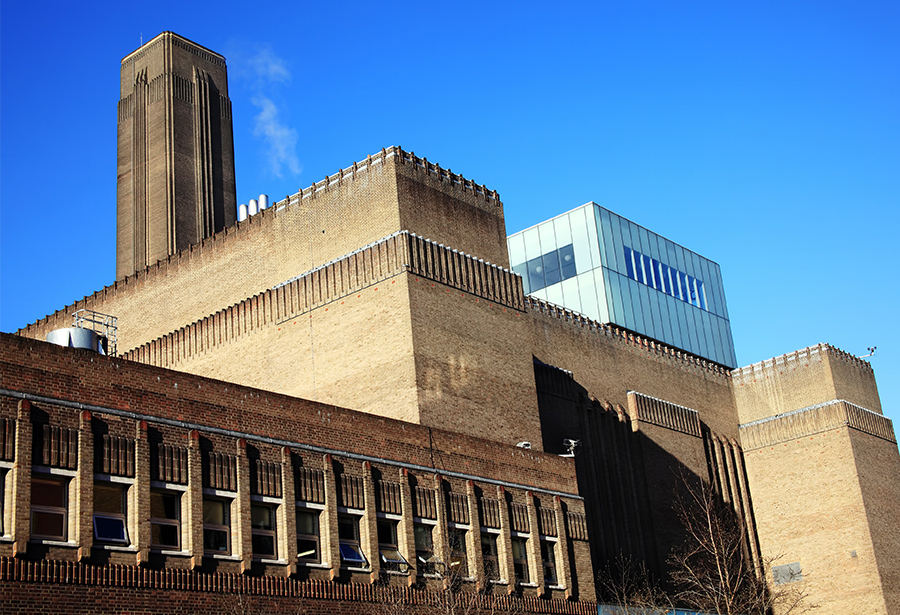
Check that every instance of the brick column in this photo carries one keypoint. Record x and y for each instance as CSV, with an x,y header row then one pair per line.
x,y
369,526
473,538
329,531
563,566
287,517
242,541
193,507
439,534
406,534
83,505
535,565
21,481
140,519
504,543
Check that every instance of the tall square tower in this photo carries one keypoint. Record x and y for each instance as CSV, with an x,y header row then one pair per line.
x,y
175,151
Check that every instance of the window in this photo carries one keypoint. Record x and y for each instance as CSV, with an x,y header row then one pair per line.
x,y
425,559
308,535
49,507
110,513
216,526
387,547
649,271
548,561
348,538
489,556
2,501
262,530
547,269
520,560
165,520
459,565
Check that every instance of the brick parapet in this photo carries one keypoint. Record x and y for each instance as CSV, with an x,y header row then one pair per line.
x,y
802,357
646,409
472,193
377,262
194,402
812,420
623,336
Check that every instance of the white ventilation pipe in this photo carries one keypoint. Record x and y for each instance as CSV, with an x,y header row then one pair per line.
x,y
242,212
253,207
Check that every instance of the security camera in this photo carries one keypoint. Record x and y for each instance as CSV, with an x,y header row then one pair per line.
x,y
570,445
524,444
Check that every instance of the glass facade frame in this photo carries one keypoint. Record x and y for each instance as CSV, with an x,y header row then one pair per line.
x,y
627,275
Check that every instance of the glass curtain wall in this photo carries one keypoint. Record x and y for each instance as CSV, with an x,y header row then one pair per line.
x,y
612,270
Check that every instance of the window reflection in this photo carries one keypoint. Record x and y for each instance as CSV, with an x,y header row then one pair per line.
x,y
547,269
663,278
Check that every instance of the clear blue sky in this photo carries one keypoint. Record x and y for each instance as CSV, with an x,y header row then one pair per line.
x,y
763,135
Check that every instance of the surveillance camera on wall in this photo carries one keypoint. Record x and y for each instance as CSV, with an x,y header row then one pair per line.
x,y
570,445
524,444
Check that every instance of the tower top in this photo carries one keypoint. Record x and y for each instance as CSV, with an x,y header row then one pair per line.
x,y
180,41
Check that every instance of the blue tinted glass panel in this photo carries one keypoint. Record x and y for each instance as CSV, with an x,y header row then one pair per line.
x,y
700,295
567,261
551,267
657,279
629,264
667,283
648,269
522,270
692,290
536,274
638,267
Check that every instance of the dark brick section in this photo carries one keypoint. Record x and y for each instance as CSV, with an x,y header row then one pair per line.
x,y
66,587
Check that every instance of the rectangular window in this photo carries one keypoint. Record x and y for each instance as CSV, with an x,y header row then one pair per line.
x,y
629,264
520,560
657,278
348,538
459,564
425,560
165,520
387,547
536,274
489,556
111,513
262,530
49,507
701,296
548,561
216,526
551,267
2,501
667,281
567,261
308,535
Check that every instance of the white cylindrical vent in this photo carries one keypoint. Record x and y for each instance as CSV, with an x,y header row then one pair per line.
x,y
242,212
263,201
254,207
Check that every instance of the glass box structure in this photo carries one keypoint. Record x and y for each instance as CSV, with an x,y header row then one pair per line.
x,y
608,268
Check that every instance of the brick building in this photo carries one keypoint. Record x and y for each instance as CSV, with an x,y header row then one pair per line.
x,y
357,371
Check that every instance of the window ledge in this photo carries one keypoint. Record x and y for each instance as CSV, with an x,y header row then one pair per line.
x,y
527,584
313,565
498,581
123,549
222,556
395,573
355,569
556,587
266,560
53,543
170,552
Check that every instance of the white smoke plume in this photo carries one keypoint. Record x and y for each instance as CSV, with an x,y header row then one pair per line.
x,y
266,70
280,139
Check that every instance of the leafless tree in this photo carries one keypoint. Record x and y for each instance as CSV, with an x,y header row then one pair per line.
x,y
627,587
712,572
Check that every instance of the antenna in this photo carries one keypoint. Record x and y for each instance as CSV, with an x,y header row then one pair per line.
x,y
871,350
